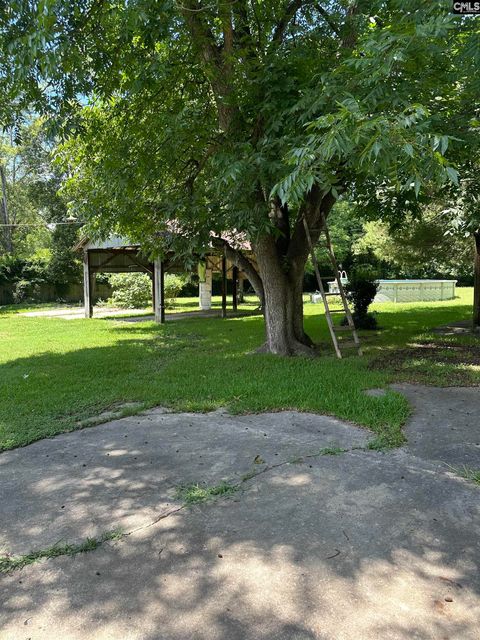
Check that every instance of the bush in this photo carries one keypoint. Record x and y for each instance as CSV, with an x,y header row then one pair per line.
x,y
25,277
361,290
134,290
11,269
130,290
24,291
173,286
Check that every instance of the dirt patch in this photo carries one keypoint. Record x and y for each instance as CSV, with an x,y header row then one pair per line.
x,y
463,327
424,362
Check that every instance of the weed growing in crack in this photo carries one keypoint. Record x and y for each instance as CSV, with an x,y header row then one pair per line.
x,y
472,475
195,493
10,562
249,475
331,451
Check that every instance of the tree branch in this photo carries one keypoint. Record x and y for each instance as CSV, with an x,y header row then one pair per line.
x,y
241,261
328,19
316,207
290,11
216,59
225,12
243,33
280,217
349,34
202,35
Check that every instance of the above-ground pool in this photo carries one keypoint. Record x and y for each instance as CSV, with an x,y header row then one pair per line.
x,y
415,290
405,290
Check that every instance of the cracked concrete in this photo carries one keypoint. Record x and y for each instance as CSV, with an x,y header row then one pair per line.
x,y
446,424
362,545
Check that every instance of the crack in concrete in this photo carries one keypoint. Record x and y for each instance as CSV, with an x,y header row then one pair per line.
x,y
119,535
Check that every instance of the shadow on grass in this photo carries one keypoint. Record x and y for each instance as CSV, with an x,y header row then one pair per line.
x,y
198,365
174,366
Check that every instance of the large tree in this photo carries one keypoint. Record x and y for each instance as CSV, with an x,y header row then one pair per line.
x,y
245,115
25,228
462,216
38,220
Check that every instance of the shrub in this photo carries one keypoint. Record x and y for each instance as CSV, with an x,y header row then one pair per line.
x,y
23,291
134,290
130,290
11,269
173,286
361,290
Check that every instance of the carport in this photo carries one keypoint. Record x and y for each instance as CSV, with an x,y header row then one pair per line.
x,y
118,255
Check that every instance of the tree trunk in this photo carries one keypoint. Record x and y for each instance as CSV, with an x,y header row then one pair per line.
x,y
281,265
298,327
283,308
476,289
4,219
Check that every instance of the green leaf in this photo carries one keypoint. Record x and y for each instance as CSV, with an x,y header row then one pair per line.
x,y
452,174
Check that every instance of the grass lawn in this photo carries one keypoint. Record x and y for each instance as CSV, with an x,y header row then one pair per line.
x,y
56,374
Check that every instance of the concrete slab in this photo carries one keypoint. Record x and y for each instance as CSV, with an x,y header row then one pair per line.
x,y
125,472
445,427
357,546
455,328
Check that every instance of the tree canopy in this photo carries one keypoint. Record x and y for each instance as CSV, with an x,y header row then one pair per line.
x,y
246,115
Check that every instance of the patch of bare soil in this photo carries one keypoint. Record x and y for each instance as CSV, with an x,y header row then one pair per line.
x,y
418,363
463,327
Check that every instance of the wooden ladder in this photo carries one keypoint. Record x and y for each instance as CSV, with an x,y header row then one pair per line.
x,y
350,326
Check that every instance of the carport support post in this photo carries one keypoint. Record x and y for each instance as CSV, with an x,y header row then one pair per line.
x,y
87,288
159,290
234,287
224,286
152,273
476,287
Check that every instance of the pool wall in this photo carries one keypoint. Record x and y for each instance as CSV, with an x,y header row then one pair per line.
x,y
415,290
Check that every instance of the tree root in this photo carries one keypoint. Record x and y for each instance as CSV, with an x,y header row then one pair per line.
x,y
293,349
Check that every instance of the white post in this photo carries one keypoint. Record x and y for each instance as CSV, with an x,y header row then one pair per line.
x,y
205,292
159,289
87,294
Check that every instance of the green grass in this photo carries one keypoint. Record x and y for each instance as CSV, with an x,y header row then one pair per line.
x,y
10,563
55,374
472,475
195,493
331,451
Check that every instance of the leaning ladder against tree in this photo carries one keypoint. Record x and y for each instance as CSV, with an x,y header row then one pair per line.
x,y
350,326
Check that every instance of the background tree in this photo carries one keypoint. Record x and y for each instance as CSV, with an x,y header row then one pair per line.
x,y
421,248
40,233
237,115
24,231
462,217
44,181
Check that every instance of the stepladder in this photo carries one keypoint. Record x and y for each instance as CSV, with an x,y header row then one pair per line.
x,y
335,295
